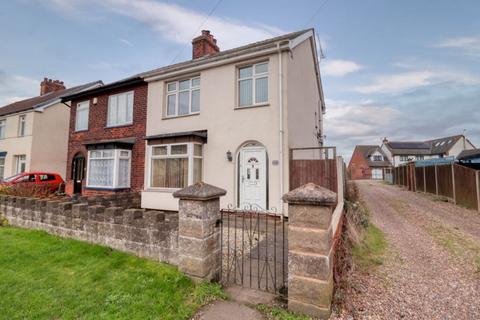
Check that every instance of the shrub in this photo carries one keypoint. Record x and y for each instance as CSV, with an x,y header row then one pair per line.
x,y
30,191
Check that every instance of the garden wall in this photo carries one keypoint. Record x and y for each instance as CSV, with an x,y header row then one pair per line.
x,y
114,221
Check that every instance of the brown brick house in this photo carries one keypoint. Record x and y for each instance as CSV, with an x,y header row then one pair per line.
x,y
106,148
368,162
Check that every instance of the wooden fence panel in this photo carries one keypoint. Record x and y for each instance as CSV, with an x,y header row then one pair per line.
x,y
419,179
430,179
320,172
466,187
445,181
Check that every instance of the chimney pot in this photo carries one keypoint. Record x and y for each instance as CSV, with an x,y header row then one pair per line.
x,y
48,85
204,45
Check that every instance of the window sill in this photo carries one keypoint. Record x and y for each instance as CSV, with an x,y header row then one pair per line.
x,y
106,188
82,130
253,106
163,190
120,125
181,116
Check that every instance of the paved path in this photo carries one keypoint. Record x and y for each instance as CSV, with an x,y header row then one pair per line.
x,y
432,266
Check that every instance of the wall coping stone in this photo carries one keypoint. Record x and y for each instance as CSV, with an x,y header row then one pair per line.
x,y
312,194
200,191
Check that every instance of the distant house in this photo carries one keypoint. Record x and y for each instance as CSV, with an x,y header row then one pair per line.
x,y
34,132
469,156
400,152
369,162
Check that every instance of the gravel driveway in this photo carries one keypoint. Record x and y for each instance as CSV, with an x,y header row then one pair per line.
x,y
432,265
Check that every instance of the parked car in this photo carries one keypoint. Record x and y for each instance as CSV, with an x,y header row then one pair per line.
x,y
51,181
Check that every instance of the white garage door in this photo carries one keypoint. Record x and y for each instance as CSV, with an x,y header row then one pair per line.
x,y
377,174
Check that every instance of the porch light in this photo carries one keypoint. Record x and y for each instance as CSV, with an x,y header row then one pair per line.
x,y
229,156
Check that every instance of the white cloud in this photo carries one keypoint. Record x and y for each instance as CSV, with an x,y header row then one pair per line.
x,y
405,81
179,24
14,88
126,42
471,45
339,68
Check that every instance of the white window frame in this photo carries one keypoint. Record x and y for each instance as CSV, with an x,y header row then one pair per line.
x,y
190,155
19,160
177,92
116,166
111,124
253,77
22,125
2,175
81,106
377,155
3,128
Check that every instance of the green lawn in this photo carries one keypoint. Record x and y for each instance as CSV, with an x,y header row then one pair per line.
x,y
47,277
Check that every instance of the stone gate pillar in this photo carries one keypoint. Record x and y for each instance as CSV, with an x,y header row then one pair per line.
x,y
310,252
198,231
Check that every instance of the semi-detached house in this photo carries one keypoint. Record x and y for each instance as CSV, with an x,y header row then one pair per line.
x,y
225,117
34,131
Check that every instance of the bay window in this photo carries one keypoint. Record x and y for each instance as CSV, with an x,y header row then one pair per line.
x,y
183,97
109,168
81,118
253,85
120,109
175,165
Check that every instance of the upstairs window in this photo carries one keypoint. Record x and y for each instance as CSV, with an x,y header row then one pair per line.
x,y
2,128
377,158
21,125
183,97
120,109
81,118
404,158
108,168
253,85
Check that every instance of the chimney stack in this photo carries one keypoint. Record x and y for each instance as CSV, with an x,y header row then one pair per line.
x,y
49,85
204,45
385,140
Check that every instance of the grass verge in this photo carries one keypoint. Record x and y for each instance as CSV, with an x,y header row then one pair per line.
x,y
47,277
276,313
458,244
369,252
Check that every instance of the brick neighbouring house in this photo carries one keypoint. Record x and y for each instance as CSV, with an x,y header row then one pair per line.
x,y
106,148
368,162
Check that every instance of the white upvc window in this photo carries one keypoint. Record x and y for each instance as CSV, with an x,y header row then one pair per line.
x,y
183,97
21,163
22,122
109,168
2,167
253,85
3,124
174,166
81,117
120,109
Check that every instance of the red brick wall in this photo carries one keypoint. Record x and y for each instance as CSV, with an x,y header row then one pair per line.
x,y
358,167
97,130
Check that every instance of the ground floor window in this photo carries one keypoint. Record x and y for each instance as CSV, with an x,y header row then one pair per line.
x,y
175,165
109,168
2,167
377,174
20,163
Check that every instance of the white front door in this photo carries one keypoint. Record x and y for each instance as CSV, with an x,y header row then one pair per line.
x,y
253,177
377,174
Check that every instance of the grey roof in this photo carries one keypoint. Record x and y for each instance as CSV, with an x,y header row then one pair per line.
x,y
252,47
39,101
368,150
199,133
469,154
408,147
442,145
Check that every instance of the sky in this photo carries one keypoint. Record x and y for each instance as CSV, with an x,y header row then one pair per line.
x,y
406,70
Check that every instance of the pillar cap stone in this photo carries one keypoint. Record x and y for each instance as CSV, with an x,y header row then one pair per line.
x,y
311,193
199,191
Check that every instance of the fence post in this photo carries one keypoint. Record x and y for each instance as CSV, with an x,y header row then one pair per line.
x,y
453,184
477,173
436,181
198,235
310,249
424,181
